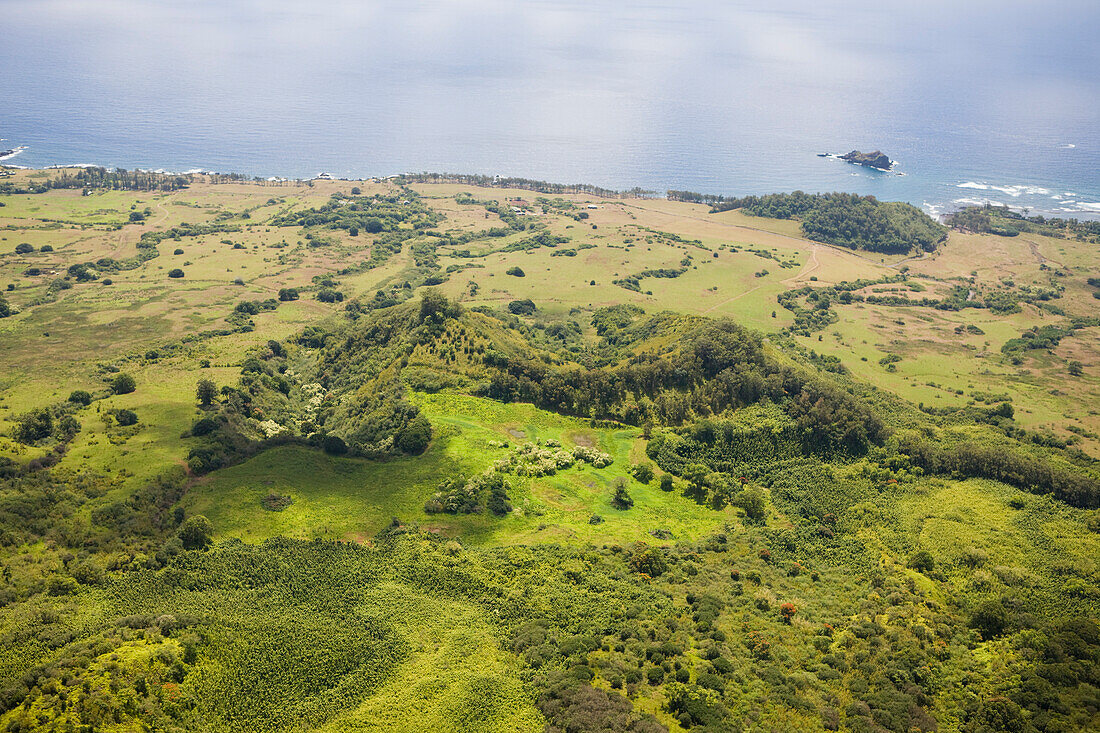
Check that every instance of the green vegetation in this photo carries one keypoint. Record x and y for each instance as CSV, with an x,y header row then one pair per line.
x,y
348,474
848,220
1005,222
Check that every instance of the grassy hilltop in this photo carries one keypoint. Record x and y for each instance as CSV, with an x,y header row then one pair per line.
x,y
437,453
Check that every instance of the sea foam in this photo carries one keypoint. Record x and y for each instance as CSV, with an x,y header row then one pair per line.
x,y
1013,191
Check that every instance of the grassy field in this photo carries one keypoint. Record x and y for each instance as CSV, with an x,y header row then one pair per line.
x,y
354,499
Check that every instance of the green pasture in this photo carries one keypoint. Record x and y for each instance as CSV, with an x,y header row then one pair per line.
x,y
354,499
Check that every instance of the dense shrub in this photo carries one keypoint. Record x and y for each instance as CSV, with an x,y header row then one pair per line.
x,y
80,397
334,445
126,417
415,436
522,307
123,384
34,426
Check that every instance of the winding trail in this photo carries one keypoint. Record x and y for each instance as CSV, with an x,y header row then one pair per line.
x,y
730,300
1042,260
788,281
147,227
813,258
914,258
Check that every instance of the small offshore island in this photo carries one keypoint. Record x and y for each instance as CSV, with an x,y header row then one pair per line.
x,y
11,152
876,159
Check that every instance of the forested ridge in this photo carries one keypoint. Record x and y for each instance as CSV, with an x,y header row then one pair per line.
x,y
732,629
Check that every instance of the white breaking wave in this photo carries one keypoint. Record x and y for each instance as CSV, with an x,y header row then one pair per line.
x,y
935,211
979,202
1013,191
1068,146
166,172
1089,206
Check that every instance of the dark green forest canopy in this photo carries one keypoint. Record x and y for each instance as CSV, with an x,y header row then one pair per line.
x,y
848,220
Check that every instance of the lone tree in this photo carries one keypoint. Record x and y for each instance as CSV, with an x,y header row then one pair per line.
x,y
522,307
123,384
206,391
196,533
126,417
621,500
175,272
81,397
1076,368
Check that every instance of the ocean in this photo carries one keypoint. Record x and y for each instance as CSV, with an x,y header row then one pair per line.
x,y
976,100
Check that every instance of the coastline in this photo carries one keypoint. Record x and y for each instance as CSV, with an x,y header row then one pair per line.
x,y
939,198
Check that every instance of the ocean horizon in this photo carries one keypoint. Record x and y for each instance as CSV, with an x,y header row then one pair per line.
x,y
720,98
